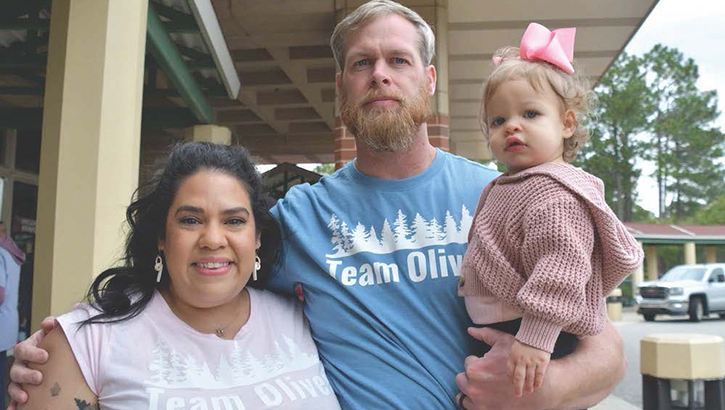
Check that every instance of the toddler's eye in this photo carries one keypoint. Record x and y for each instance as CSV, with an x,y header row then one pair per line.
x,y
497,121
531,114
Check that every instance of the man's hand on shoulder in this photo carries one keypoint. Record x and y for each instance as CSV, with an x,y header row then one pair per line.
x,y
26,352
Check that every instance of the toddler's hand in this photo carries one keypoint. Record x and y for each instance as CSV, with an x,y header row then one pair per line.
x,y
527,366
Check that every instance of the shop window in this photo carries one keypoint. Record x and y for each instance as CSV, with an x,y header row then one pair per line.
x,y
27,152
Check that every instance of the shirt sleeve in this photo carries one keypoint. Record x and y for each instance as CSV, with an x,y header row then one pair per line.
x,y
88,343
278,280
557,252
3,271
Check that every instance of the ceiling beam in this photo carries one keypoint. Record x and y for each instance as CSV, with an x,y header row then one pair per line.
x,y
298,72
173,65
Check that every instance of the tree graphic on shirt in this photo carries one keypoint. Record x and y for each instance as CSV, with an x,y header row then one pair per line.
x,y
401,230
434,231
158,365
419,229
168,369
449,226
387,238
419,234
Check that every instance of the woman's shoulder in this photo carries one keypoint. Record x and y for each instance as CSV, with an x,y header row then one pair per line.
x,y
272,301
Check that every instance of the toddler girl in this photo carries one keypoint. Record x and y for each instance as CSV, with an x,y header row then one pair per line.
x,y
544,248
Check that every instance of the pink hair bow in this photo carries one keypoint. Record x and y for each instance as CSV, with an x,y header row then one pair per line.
x,y
555,47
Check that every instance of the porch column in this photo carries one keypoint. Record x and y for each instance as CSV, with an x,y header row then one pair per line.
x,y
345,148
651,257
90,147
690,258
710,254
438,121
210,133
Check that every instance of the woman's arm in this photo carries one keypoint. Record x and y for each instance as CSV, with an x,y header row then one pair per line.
x,y
63,386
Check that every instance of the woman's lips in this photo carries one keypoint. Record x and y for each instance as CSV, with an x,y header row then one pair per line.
x,y
212,268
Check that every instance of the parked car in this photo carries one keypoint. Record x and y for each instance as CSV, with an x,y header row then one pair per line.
x,y
694,290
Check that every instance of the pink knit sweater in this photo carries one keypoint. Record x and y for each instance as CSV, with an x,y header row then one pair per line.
x,y
545,242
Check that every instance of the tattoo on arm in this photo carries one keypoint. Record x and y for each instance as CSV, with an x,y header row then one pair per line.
x,y
55,390
84,405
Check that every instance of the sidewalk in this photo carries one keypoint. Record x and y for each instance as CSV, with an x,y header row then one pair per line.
x,y
615,403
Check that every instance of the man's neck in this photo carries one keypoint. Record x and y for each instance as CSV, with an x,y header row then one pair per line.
x,y
397,165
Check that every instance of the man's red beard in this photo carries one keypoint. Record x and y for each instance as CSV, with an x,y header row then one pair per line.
x,y
385,129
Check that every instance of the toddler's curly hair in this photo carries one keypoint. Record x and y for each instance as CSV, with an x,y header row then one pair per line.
x,y
572,89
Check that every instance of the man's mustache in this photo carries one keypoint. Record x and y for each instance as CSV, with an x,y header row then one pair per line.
x,y
372,96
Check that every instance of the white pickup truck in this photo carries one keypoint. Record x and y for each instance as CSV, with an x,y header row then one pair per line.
x,y
694,290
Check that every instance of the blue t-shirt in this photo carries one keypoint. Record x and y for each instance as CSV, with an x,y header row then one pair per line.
x,y
378,261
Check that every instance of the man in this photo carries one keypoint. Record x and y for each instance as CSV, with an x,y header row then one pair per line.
x,y
376,248
11,257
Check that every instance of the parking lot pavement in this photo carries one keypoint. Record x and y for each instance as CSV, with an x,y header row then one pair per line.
x,y
633,328
615,403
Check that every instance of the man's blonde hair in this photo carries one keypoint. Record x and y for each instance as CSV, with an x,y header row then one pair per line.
x,y
371,10
573,91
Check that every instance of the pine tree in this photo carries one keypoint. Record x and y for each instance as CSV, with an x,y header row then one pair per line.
x,y
686,145
387,237
624,103
449,227
401,230
419,230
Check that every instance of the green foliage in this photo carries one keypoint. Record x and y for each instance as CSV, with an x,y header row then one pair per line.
x,y
325,169
685,147
712,214
651,109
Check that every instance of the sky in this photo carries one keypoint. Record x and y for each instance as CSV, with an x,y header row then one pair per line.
x,y
695,27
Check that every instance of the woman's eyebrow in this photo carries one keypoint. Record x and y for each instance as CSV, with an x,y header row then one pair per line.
x,y
236,210
189,208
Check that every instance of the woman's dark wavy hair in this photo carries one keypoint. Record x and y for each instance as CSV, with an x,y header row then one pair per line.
x,y
121,293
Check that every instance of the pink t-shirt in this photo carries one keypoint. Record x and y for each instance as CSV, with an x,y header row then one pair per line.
x,y
156,361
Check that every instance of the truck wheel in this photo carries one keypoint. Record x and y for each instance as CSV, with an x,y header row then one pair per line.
x,y
722,315
649,317
697,311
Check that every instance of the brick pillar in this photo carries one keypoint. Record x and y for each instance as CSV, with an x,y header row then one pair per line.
x,y
345,149
438,131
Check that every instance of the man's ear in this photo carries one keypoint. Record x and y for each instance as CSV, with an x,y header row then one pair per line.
x,y
259,239
570,123
430,73
161,244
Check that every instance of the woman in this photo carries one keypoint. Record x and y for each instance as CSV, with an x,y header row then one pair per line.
x,y
177,326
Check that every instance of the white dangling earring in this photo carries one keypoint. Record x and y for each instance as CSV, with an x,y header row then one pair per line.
x,y
257,266
158,267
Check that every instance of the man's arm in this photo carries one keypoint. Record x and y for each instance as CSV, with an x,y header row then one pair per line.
x,y
26,352
577,381
63,387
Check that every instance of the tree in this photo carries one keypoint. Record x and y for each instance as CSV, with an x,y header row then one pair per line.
x,y
685,147
712,214
624,102
325,169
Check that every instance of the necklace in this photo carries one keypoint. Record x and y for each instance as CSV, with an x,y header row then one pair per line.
x,y
221,331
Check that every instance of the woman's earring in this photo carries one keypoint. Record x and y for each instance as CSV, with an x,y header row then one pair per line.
x,y
158,267
257,266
